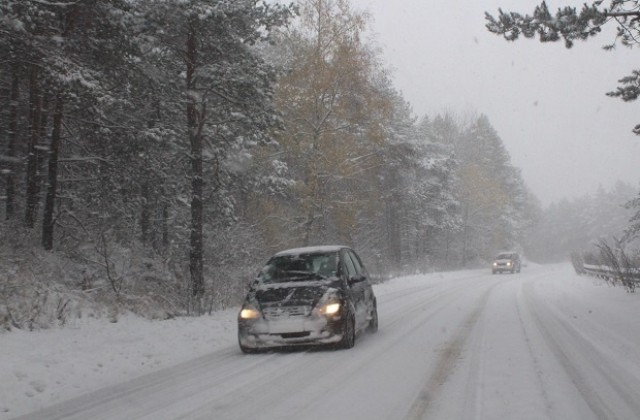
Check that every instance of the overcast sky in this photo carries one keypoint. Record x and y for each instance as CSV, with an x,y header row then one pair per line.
x,y
547,102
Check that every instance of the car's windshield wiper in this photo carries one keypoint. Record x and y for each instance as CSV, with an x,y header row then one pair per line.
x,y
305,274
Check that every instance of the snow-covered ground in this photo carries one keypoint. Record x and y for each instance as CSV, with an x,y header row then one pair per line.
x,y
541,344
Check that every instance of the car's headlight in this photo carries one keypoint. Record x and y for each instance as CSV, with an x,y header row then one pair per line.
x,y
249,313
508,263
330,308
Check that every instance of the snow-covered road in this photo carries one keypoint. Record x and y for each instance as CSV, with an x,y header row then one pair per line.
x,y
542,344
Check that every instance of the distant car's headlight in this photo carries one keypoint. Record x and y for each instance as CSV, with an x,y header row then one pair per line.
x,y
495,264
508,263
330,308
249,313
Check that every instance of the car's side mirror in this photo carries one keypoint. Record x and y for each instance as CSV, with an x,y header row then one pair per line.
x,y
357,279
250,285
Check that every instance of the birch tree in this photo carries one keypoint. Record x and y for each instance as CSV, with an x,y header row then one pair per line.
x,y
326,98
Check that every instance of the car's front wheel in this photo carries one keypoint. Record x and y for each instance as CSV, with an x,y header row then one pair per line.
x,y
348,333
373,322
247,350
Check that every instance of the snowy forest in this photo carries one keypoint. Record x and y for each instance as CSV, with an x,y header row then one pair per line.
x,y
579,225
154,153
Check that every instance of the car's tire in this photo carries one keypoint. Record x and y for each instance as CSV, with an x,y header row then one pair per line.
x,y
348,334
373,322
248,350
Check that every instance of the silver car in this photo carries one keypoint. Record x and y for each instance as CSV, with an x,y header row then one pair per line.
x,y
506,262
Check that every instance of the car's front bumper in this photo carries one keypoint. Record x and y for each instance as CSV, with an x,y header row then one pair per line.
x,y
501,267
298,331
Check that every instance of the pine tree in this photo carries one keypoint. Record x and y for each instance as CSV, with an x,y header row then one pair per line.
x,y
224,89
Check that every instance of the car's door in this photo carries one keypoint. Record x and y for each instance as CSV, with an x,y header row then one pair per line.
x,y
359,287
369,297
348,271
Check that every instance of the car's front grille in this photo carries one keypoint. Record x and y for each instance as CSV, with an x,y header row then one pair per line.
x,y
278,312
296,335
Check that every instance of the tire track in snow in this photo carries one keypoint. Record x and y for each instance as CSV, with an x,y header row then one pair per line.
x,y
423,296
447,361
583,363
434,298
425,300
99,404
548,405
424,288
433,294
475,402
436,302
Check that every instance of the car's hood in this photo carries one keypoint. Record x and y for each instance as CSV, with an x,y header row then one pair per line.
x,y
291,294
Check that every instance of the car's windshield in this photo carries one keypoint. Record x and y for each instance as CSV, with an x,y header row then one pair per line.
x,y
300,267
504,257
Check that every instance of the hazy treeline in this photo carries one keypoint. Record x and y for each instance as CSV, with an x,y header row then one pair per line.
x,y
579,225
165,148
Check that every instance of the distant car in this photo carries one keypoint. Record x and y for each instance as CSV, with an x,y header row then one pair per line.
x,y
506,261
308,296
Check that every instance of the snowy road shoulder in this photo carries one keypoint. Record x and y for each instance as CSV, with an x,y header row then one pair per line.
x,y
45,367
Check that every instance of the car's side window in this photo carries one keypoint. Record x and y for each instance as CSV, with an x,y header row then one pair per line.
x,y
356,263
351,269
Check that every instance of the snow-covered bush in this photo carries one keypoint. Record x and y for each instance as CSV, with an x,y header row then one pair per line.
x,y
40,289
616,264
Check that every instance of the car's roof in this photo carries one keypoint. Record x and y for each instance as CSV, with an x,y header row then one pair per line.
x,y
311,250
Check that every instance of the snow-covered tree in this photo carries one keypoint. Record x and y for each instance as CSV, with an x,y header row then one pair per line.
x,y
498,194
224,89
418,192
326,97
494,203
129,102
69,56
577,225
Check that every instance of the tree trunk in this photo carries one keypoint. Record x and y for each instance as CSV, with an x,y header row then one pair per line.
x,y
194,125
145,214
447,248
165,226
52,176
42,148
11,147
149,229
393,223
465,236
35,108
